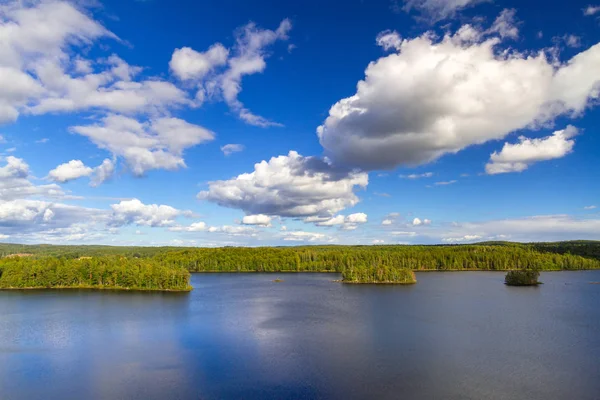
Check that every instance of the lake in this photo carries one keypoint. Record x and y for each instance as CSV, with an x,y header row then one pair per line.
x,y
453,335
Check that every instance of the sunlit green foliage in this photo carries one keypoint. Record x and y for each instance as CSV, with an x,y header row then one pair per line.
x,y
524,277
378,274
339,258
110,272
166,268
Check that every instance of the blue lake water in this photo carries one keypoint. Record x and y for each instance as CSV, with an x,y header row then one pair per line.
x,y
454,335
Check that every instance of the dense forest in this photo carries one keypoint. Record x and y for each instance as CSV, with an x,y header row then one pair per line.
x,y
165,268
107,272
379,274
339,258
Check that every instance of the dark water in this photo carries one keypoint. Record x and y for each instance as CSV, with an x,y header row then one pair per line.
x,y
452,336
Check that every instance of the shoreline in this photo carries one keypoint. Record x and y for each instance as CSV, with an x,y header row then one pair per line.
x,y
414,270
116,288
378,283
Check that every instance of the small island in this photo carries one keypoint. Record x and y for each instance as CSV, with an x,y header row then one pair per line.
x,y
381,274
523,277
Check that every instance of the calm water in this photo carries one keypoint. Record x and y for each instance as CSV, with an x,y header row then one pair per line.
x,y
452,336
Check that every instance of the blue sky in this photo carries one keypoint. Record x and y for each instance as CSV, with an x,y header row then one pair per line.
x,y
254,123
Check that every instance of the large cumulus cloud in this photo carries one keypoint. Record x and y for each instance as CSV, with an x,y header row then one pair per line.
x,y
289,186
437,96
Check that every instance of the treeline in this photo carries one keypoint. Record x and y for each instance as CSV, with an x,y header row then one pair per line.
x,y
167,268
108,272
340,258
584,248
70,251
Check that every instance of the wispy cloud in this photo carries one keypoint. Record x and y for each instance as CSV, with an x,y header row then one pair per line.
x,y
444,183
417,176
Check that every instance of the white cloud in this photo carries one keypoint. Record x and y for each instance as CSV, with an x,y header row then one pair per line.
x,y
589,207
357,218
348,223
232,148
419,222
44,221
218,72
301,236
157,143
535,228
76,169
33,33
466,238
15,182
417,176
378,241
389,40
591,10
82,66
102,91
135,212
24,210
258,219
445,183
404,233
506,25
518,157
289,186
353,220
234,230
337,220
249,58
439,96
39,73
69,171
102,172
387,222
44,28
187,63
572,41
437,10
194,227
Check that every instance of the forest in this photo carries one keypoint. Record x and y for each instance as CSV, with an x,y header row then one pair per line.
x,y
338,258
383,273
106,272
167,268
